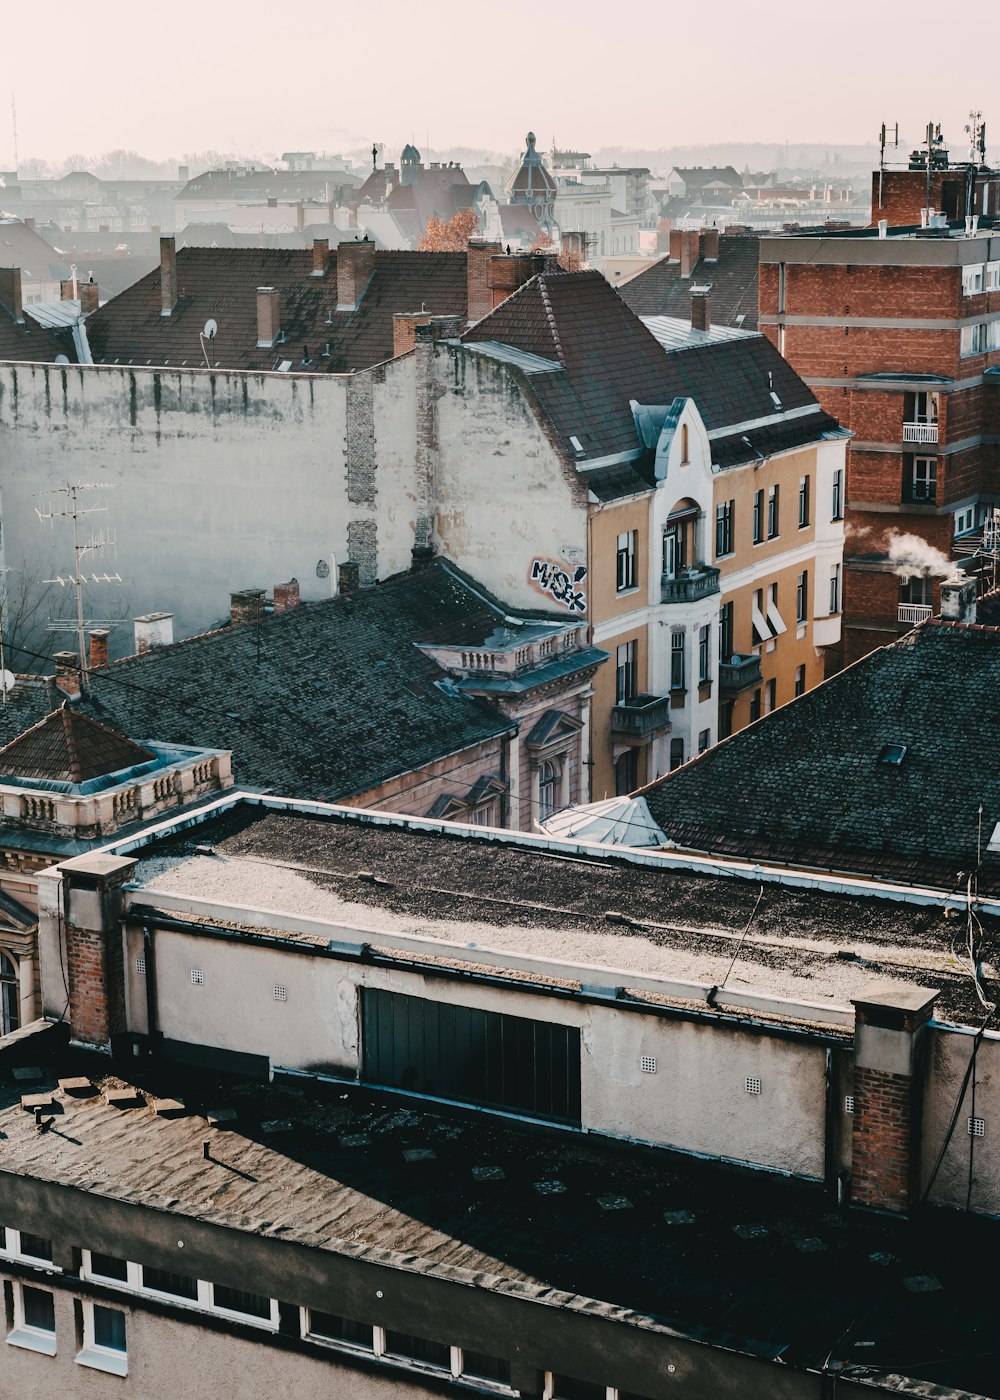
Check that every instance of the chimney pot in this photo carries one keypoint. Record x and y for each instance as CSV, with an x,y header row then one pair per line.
x,y
153,630
68,673
286,596
348,577
268,317
701,315
168,274
98,648
247,605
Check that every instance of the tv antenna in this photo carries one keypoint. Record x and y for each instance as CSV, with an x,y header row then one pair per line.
x,y
209,333
99,544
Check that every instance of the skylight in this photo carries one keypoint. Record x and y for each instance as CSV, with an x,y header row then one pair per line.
x,y
892,755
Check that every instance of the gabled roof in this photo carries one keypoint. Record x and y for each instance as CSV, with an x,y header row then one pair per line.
x,y
660,290
221,284
69,747
809,784
28,342
604,358
23,247
696,177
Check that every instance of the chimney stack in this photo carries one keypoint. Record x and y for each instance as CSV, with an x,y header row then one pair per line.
x,y
709,244
10,292
958,598
300,216
272,201
98,648
286,596
355,265
701,315
479,298
508,271
168,274
29,222
247,605
90,298
268,317
321,256
153,630
68,673
404,329
348,577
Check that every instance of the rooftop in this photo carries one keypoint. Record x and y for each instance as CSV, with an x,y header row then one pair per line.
x,y
756,1265
823,796
68,747
660,290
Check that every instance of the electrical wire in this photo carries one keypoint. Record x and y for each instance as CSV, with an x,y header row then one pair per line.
x,y
753,913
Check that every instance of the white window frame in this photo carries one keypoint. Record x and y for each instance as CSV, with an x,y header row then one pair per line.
x,y
92,1354
340,1344
774,619
993,276
973,279
773,512
24,1334
837,494
11,1249
923,474
626,556
204,1302
836,601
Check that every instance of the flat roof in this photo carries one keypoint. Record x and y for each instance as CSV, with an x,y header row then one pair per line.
x,y
736,1259
646,915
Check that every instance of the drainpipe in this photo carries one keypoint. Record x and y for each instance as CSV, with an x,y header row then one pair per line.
x,y
152,1033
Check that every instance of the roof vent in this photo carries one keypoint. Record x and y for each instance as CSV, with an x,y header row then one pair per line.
x,y
892,755
577,446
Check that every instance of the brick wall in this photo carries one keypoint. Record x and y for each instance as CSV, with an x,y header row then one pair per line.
x,y
96,985
883,1166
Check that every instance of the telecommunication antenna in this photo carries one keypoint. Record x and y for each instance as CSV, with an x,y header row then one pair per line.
x,y
881,157
209,333
99,544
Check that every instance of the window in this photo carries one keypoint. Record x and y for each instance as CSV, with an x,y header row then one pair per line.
x,y
802,597
677,661
104,1345
835,589
837,495
34,1319
758,516
770,696
235,1300
993,277
105,1266
339,1329
803,502
725,631
800,680
548,789
23,1245
914,589
10,1017
435,1354
726,719
704,740
566,1388
485,1368
755,706
625,667
704,654
684,445
174,1285
965,520
923,479
626,772
676,753
973,280
973,340
761,631
772,513
724,528
774,619
627,547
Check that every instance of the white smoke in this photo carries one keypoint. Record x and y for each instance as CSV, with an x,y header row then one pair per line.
x,y
909,555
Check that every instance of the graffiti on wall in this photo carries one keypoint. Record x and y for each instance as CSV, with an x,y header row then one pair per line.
x,y
562,583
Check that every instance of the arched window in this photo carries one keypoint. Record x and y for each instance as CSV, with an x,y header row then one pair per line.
x,y
684,444
9,1008
548,789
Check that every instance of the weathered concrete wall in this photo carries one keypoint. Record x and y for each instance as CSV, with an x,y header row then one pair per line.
x,y
222,481
948,1055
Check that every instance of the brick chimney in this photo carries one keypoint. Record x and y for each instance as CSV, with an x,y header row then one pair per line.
x,y
68,673
508,271
889,1026
701,314
479,300
690,242
710,244
98,648
90,298
268,317
153,630
29,222
321,256
958,598
168,274
247,605
286,596
404,329
355,265
348,577
10,292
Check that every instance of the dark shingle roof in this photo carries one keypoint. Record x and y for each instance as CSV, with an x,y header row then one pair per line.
x,y
327,700
69,747
806,786
31,343
660,290
608,357
221,284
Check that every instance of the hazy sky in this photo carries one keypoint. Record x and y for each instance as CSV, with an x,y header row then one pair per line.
x,y
262,75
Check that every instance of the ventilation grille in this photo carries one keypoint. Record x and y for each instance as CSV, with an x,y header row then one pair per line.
x,y
280,993
849,1104
648,1064
197,977
140,966
753,1084
977,1127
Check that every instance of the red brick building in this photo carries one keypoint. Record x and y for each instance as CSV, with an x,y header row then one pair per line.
x,y
896,328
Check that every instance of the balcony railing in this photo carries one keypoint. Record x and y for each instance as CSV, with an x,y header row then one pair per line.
x,y
920,432
641,716
739,673
912,613
690,585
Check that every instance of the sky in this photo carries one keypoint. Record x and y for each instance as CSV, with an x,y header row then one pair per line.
x,y
257,76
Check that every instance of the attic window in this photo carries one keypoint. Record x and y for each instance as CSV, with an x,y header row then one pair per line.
x,y
892,755
577,445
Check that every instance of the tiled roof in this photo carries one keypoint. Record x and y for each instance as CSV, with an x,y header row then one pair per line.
x,y
696,177
610,358
69,747
324,701
23,247
221,284
807,784
660,290
31,342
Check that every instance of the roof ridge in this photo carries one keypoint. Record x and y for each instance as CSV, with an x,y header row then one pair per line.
x,y
72,753
550,316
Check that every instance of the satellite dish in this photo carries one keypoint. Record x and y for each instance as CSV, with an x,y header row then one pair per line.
x,y
211,330
7,682
62,360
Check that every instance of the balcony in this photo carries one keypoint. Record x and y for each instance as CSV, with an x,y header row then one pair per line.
x,y
641,716
739,673
920,432
691,585
912,613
